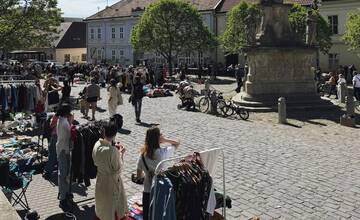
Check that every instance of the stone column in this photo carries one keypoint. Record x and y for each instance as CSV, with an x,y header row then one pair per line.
x,y
348,119
282,110
342,92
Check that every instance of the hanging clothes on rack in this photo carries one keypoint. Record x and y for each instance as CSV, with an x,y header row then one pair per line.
x,y
83,168
191,185
18,95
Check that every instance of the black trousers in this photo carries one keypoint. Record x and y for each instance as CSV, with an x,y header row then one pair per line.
x,y
146,205
357,93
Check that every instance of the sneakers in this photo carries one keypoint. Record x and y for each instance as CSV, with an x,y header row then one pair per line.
x,y
138,120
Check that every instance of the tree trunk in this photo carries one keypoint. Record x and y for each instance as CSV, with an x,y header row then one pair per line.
x,y
199,66
169,59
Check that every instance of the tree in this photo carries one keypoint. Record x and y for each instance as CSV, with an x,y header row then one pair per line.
x,y
297,18
352,33
235,36
170,27
29,23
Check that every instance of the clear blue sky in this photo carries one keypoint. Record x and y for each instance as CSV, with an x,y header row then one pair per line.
x,y
82,8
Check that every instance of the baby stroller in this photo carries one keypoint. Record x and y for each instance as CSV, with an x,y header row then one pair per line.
x,y
186,94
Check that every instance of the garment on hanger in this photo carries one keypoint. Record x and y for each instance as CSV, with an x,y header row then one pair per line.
x,y
191,185
83,167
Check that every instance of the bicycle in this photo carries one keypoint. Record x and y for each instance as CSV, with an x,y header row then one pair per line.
x,y
231,109
204,102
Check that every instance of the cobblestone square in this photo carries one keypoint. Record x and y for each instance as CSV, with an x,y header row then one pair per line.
x,y
272,171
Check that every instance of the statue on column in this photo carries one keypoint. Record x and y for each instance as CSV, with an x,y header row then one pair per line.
x,y
250,29
311,29
275,27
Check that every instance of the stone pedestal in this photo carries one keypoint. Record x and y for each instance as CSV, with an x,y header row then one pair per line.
x,y
280,72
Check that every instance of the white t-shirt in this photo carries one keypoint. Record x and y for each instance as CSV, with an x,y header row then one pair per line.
x,y
356,79
160,154
63,136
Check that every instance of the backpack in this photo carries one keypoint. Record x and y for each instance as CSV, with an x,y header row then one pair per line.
x,y
118,120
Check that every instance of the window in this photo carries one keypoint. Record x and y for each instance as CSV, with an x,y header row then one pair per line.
x,y
113,33
66,57
121,32
333,61
333,21
92,35
113,55
99,33
201,55
99,54
187,58
121,52
83,57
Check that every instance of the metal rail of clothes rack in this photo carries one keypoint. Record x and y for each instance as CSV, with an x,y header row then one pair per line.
x,y
17,81
158,169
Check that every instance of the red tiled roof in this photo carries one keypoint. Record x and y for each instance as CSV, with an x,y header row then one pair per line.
x,y
227,5
124,8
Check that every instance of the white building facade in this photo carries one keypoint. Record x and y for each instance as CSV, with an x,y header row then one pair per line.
x,y
109,36
336,12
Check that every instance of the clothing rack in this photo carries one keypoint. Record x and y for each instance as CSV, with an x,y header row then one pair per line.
x,y
157,170
17,81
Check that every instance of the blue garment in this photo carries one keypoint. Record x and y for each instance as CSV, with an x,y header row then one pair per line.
x,y
2,97
50,165
14,97
164,199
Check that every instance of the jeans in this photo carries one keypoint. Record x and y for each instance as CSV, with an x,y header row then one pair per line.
x,y
63,175
163,198
137,105
49,168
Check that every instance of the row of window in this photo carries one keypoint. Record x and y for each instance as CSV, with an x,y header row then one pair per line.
x,y
67,57
114,33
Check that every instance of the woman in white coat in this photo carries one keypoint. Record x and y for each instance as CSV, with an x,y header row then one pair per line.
x,y
110,196
115,97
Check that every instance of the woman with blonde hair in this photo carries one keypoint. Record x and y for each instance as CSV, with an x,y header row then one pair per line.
x,y
151,155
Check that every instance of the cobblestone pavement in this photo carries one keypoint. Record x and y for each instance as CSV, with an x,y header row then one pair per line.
x,y
274,171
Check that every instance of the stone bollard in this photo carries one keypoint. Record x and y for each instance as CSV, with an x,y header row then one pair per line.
x,y
207,88
348,119
213,103
282,110
342,92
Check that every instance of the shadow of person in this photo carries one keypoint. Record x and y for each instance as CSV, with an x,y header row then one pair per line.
x,y
84,212
124,131
146,125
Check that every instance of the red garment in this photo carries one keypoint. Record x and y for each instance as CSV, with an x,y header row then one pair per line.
x,y
73,133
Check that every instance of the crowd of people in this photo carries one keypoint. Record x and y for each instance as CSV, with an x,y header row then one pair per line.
x,y
110,194
330,82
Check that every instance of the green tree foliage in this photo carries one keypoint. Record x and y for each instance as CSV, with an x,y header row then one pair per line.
x,y
29,23
234,38
170,27
352,33
297,18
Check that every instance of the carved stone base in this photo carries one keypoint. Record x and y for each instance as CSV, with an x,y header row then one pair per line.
x,y
280,72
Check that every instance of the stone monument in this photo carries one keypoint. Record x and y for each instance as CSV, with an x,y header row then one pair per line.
x,y
279,62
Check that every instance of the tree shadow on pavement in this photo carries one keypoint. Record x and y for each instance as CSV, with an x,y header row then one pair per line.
x,y
222,81
312,116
